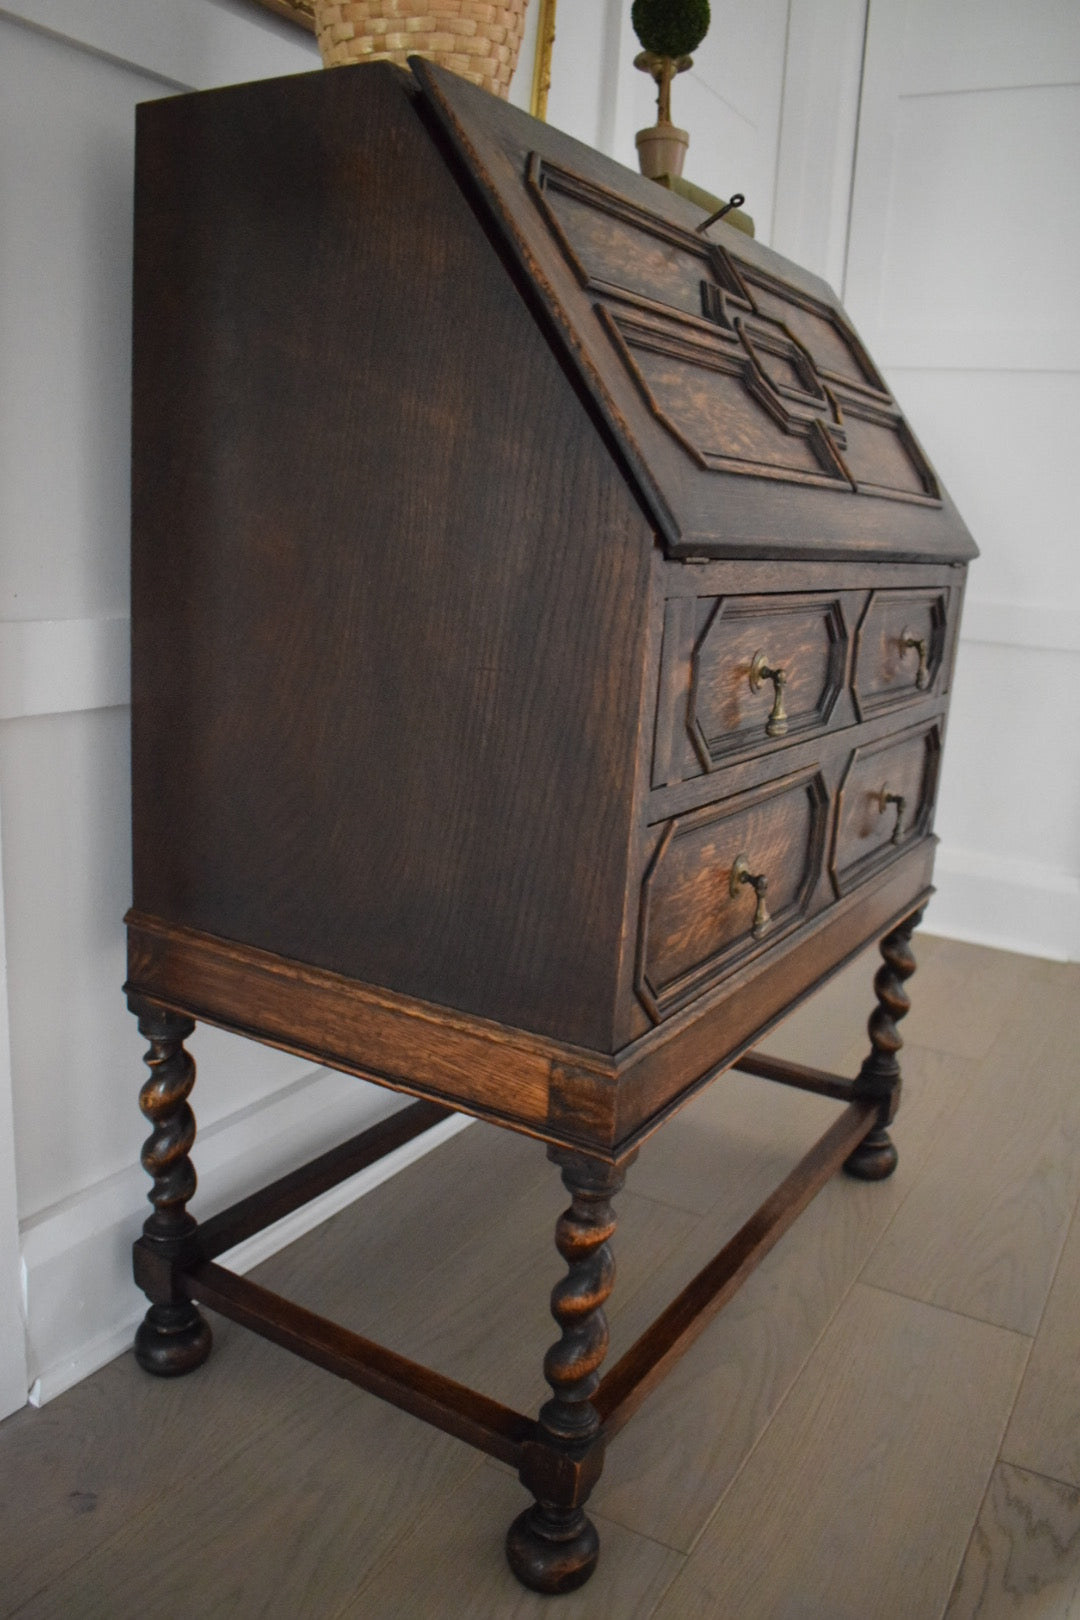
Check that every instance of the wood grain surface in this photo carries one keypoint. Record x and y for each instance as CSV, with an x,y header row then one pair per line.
x,y
983,1232
1044,1433
358,586
889,1436
669,380
1023,1560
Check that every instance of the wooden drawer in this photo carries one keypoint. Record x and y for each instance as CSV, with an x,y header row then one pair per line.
x,y
899,649
717,707
693,926
885,803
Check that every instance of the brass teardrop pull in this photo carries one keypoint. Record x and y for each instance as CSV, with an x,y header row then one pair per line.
x,y
760,672
740,874
885,798
908,638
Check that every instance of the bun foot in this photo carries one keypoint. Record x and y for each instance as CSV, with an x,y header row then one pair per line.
x,y
550,1551
874,1158
172,1340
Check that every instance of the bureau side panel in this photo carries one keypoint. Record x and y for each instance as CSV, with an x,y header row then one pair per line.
x,y
389,589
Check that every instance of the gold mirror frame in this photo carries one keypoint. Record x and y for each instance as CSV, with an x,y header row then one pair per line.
x,y
302,13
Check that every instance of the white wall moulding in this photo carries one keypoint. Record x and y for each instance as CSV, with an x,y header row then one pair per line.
x,y
1005,445
616,124
898,348
71,73
58,666
1038,43
964,219
81,1303
1043,626
185,43
819,118
999,233
964,238
588,75
1013,905
13,1369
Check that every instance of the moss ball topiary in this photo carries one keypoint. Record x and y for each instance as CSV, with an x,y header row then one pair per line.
x,y
670,27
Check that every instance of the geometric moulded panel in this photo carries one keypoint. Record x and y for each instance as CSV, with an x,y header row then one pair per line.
x,y
692,928
749,374
803,634
885,803
899,649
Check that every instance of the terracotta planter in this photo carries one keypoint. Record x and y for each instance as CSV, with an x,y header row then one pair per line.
x,y
479,39
661,150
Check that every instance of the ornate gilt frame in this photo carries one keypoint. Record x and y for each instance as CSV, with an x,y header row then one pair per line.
x,y
301,12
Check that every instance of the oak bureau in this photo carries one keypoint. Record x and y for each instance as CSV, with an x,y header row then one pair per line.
x,y
543,622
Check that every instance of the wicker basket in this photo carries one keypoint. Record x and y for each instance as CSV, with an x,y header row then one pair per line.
x,y
479,39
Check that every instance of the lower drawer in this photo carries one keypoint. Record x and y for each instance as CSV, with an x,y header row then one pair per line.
x,y
725,882
885,802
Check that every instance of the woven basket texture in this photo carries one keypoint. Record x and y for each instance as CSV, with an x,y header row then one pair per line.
x,y
479,39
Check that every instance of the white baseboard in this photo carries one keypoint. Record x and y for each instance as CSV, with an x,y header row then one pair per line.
x,y
80,1302
1012,905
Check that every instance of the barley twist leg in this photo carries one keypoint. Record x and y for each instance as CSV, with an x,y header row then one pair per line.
x,y
553,1546
173,1337
879,1078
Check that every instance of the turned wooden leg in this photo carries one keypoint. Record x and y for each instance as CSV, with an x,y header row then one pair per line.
x,y
879,1078
172,1338
553,1546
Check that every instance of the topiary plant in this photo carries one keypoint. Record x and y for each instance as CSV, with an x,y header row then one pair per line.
x,y
669,31
671,28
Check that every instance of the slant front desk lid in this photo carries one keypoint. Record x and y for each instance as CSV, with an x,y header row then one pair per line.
x,y
732,382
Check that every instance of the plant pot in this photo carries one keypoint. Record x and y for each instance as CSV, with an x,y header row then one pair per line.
x,y
661,149
479,39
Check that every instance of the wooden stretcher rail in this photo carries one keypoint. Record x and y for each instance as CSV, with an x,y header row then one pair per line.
x,y
440,1401
291,1192
643,1366
797,1075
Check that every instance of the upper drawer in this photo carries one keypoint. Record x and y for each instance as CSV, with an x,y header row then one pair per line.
x,y
899,648
745,674
726,881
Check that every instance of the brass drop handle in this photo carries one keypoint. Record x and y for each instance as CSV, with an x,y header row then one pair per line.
x,y
885,798
760,672
740,874
908,638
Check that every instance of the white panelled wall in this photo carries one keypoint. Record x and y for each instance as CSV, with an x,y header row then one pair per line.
x,y
911,178
962,277
72,1195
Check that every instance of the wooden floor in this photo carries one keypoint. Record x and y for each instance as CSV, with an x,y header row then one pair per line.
x,y
884,1425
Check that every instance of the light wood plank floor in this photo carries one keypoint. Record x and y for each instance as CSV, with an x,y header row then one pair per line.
x,y
883,1425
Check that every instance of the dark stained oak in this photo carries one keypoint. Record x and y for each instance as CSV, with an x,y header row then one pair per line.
x,y
173,1338
795,1074
356,478
879,1078
553,1546
291,1192
484,1423
734,454
543,622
